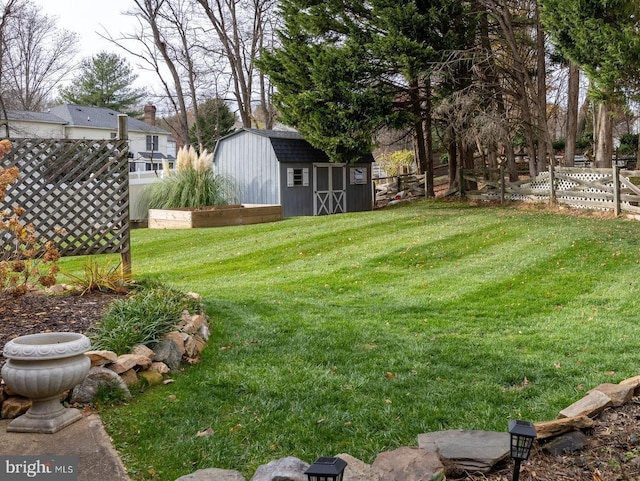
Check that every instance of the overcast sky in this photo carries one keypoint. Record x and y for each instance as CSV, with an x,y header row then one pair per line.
x,y
87,17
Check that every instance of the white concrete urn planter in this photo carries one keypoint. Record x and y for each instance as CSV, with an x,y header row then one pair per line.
x,y
42,367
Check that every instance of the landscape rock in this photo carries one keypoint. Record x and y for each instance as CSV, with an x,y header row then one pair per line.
x,y
632,381
357,470
619,393
567,443
408,464
591,405
192,323
213,474
556,427
178,338
199,342
160,367
100,358
471,451
142,350
129,361
168,352
190,346
130,377
204,332
15,406
153,378
86,391
284,469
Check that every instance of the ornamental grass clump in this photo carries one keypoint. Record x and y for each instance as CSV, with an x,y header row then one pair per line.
x,y
23,261
143,318
192,185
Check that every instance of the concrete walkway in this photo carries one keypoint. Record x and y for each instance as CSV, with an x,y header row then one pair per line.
x,y
86,439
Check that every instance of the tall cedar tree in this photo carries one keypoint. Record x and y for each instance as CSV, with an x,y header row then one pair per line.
x,y
345,69
328,87
105,81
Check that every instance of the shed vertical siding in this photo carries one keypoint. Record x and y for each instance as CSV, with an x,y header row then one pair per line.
x,y
249,162
359,196
296,200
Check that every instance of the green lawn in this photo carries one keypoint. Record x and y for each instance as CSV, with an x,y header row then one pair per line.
x,y
355,333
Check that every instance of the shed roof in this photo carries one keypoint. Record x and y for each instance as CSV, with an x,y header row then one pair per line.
x,y
290,146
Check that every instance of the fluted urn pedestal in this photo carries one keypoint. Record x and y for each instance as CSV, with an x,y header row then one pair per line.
x,y
42,367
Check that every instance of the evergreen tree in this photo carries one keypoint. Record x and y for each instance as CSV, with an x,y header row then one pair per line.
x,y
105,80
345,69
215,120
603,38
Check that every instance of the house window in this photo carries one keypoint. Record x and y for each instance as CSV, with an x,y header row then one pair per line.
x,y
152,142
297,177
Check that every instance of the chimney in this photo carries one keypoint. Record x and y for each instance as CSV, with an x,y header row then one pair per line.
x,y
150,114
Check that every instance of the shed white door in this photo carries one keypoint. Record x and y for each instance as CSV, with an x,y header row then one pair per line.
x,y
329,189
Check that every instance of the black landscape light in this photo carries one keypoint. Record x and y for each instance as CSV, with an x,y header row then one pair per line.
x,y
522,435
326,469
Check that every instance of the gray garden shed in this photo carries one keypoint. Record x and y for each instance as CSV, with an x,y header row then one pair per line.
x,y
280,167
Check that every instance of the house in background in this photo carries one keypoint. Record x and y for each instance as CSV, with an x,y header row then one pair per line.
x,y
280,167
149,145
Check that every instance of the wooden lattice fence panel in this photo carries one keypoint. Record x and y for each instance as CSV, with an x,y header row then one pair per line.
x,y
578,187
75,192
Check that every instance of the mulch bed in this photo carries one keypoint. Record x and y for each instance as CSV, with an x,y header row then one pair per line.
x,y
37,312
612,453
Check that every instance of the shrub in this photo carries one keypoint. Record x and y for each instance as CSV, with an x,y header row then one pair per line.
x,y
558,145
193,184
143,318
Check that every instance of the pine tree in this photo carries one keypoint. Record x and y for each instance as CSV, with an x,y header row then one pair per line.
x,y
105,80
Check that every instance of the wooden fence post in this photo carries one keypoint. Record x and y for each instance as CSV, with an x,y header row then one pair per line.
x,y
125,253
503,188
461,182
552,185
616,190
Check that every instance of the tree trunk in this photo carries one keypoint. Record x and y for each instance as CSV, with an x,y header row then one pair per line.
x,y
572,115
604,144
544,140
452,153
582,118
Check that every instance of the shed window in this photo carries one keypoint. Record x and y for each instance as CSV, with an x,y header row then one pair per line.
x,y
358,175
297,177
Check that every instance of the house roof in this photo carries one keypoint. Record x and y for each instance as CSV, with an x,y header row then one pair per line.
x,y
290,146
99,117
45,117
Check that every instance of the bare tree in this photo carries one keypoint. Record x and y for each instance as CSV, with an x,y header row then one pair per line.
x,y
36,56
7,10
241,28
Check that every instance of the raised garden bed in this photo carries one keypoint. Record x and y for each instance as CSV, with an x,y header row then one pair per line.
x,y
216,216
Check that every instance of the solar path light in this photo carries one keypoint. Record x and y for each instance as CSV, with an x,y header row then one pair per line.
x,y
326,469
522,435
